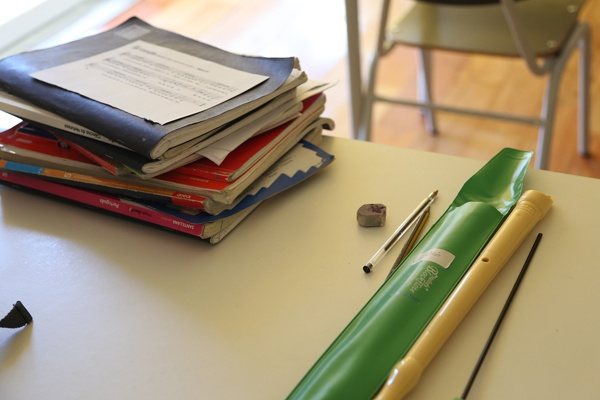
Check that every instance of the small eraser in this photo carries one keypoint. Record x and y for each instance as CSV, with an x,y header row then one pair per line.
x,y
371,215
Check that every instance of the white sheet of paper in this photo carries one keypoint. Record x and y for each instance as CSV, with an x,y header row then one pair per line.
x,y
150,81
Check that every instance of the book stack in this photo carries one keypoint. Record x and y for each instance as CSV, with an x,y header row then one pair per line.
x,y
146,123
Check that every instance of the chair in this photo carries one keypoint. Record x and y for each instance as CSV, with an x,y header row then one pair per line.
x,y
544,33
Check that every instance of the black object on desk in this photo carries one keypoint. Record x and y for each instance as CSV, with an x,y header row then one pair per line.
x,y
17,317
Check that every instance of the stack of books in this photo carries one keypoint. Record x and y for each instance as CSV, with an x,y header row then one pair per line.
x,y
147,123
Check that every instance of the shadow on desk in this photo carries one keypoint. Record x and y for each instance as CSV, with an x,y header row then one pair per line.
x,y
13,342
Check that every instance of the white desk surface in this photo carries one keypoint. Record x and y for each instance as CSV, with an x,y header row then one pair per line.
x,y
127,311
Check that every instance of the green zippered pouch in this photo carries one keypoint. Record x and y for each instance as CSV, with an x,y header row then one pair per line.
x,y
357,363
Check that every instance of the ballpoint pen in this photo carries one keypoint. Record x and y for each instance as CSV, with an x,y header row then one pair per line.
x,y
399,232
412,240
530,209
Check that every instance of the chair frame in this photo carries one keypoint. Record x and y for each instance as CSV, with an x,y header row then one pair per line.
x,y
552,65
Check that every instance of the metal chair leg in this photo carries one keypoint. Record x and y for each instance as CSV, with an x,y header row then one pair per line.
x,y
579,38
424,89
547,126
366,114
584,44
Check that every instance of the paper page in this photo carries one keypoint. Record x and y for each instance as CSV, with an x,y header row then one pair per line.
x,y
219,150
299,158
150,81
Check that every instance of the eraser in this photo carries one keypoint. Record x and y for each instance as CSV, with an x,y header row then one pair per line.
x,y
370,215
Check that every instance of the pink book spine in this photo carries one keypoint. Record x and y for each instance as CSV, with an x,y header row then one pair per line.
x,y
105,202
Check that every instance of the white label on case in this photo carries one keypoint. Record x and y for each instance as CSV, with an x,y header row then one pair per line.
x,y
439,256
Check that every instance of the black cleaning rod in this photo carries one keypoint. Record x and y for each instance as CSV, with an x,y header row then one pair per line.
x,y
500,318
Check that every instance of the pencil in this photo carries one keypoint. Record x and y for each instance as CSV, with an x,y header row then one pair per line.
x,y
412,240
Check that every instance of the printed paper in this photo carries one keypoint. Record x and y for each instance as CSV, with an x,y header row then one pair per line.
x,y
150,81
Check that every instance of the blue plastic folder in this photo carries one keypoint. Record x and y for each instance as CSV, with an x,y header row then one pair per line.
x,y
357,363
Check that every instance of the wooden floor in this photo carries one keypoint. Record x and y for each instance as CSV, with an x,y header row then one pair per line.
x,y
314,31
